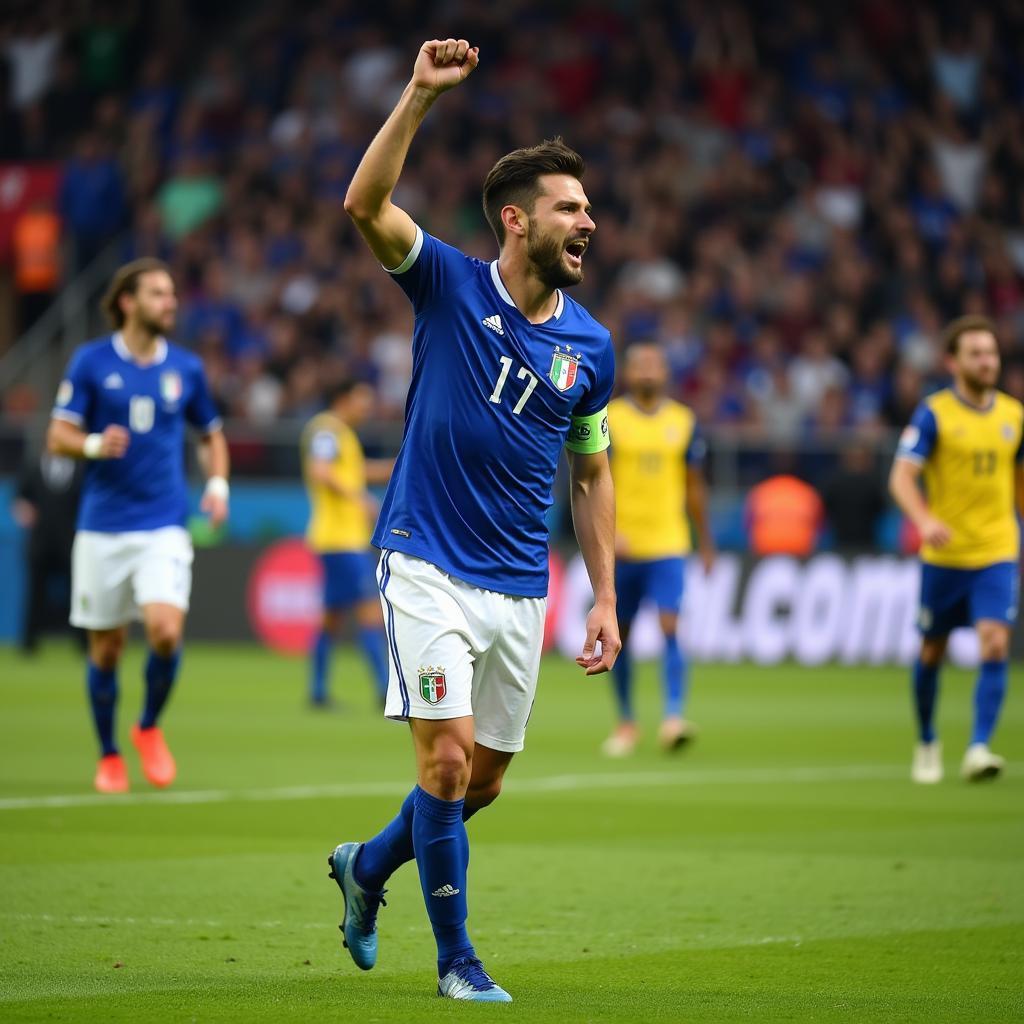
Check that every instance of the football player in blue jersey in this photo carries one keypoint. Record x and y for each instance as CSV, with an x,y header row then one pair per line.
x,y
123,406
507,371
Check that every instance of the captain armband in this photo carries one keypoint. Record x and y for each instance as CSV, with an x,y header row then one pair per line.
x,y
588,435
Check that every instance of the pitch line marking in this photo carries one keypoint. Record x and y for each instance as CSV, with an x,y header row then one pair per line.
x,y
543,784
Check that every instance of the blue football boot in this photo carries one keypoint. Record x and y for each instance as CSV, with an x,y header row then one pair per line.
x,y
467,979
359,926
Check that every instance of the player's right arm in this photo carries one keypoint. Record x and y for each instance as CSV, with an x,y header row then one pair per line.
x,y
64,438
68,434
389,231
916,445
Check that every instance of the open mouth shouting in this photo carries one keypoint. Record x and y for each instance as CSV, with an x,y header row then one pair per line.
x,y
575,250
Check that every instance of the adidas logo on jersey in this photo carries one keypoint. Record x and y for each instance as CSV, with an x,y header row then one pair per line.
x,y
494,322
446,890
112,381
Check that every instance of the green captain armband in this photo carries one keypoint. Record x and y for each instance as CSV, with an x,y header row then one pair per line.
x,y
588,435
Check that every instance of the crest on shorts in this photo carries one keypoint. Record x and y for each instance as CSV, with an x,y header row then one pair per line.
x,y
564,366
432,684
170,386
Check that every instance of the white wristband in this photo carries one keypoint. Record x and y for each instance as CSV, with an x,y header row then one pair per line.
x,y
217,487
92,446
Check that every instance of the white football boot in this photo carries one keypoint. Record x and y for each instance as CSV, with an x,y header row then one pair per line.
x,y
927,767
980,763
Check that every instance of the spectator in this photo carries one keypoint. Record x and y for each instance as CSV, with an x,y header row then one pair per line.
x,y
854,499
37,260
801,173
190,197
46,507
92,197
783,516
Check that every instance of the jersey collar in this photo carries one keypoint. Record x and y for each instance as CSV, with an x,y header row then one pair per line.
x,y
987,407
504,293
125,353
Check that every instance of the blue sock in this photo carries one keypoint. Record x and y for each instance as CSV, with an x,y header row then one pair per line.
x,y
318,678
988,699
926,688
160,675
392,847
102,685
674,677
442,856
374,647
622,681
387,851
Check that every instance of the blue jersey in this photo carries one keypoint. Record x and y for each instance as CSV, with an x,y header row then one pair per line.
x,y
104,385
490,407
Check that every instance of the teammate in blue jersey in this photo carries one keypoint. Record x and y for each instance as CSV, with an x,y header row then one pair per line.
x,y
123,406
507,371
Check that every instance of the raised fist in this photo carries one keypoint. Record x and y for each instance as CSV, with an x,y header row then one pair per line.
x,y
442,64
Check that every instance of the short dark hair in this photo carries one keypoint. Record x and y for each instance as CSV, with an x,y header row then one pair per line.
x,y
513,179
343,388
126,282
964,325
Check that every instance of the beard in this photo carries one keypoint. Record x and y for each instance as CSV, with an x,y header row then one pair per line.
x,y
646,390
154,326
545,253
980,382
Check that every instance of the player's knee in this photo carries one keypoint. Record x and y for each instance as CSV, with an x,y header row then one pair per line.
x,y
669,623
164,636
446,773
105,651
483,794
995,645
932,652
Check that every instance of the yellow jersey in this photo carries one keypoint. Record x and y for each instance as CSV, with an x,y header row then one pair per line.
x,y
969,458
337,522
649,456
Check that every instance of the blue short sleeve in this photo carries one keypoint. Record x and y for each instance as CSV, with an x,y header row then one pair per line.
x,y
600,393
697,449
917,441
75,395
432,270
200,410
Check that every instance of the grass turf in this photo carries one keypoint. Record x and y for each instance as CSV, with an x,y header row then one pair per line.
x,y
783,869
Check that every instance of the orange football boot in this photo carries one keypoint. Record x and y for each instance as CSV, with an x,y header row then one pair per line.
x,y
157,763
111,774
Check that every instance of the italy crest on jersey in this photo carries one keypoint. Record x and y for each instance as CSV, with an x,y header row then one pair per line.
x,y
432,685
564,366
170,386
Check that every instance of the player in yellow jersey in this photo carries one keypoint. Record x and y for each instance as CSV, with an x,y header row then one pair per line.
x,y
336,474
657,457
966,443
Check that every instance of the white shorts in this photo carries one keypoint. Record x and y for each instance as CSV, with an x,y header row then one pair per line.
x,y
113,575
457,650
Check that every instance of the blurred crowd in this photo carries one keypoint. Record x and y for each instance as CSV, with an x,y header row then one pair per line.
x,y
791,197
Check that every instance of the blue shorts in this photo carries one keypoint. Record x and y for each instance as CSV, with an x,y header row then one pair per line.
x,y
350,577
951,598
660,579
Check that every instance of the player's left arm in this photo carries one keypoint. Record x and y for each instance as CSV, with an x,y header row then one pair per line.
x,y
697,510
214,459
593,517
1018,478
697,500
378,471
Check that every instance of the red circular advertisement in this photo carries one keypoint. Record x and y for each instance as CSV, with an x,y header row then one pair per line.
x,y
284,597
556,571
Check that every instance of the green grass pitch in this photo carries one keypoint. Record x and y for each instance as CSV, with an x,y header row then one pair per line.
x,y
783,869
